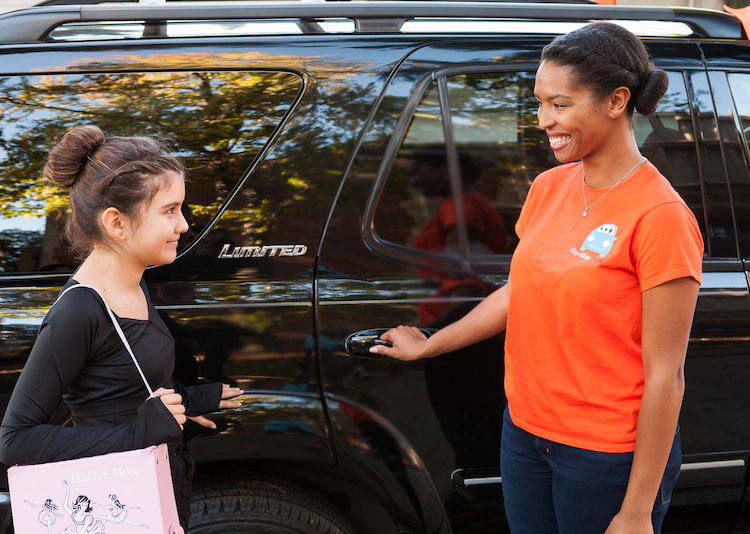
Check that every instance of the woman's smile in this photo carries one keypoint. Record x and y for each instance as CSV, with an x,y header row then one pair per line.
x,y
559,141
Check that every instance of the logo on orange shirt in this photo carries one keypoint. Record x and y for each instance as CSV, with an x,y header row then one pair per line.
x,y
601,240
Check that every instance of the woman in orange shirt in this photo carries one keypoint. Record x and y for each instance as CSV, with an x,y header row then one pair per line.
x,y
602,300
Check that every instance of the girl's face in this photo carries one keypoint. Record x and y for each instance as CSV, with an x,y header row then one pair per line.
x,y
153,240
575,120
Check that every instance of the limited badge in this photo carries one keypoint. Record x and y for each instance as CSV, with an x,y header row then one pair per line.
x,y
264,251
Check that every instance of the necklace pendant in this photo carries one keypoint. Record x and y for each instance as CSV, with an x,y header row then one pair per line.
x,y
585,213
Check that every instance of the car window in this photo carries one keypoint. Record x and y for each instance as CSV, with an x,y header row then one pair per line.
x,y
416,206
668,141
217,123
494,123
500,151
739,84
494,120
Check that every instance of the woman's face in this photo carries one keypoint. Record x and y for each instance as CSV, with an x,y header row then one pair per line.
x,y
576,122
154,238
429,179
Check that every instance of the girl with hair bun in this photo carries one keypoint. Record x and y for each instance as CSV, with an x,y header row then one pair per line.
x,y
126,195
597,308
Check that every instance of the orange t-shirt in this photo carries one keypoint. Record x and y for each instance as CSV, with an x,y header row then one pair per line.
x,y
574,368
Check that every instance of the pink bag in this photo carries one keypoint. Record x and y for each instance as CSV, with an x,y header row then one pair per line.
x,y
118,492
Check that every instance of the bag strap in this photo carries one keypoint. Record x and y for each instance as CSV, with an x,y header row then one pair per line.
x,y
119,332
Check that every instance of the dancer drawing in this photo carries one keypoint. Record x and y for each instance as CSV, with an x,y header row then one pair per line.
x,y
118,512
48,515
84,522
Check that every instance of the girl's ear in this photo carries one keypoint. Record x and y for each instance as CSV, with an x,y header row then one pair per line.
x,y
114,223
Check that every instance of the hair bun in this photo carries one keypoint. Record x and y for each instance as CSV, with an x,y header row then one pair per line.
x,y
68,157
651,90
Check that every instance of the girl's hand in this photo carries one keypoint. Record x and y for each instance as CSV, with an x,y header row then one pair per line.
x,y
624,523
173,402
227,392
408,343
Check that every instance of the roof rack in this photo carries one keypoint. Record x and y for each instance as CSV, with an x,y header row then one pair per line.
x,y
35,24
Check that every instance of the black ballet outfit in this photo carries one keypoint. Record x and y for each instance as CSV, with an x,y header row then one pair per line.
x,y
79,357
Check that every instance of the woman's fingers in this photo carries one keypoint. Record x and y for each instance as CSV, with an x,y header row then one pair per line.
x,y
407,343
161,391
223,405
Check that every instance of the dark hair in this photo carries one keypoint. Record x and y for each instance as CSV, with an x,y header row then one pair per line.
x,y
435,156
119,172
82,499
605,56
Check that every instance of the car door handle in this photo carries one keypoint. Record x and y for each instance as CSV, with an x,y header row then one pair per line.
x,y
358,344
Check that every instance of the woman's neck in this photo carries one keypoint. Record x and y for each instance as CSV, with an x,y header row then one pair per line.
x,y
610,162
107,270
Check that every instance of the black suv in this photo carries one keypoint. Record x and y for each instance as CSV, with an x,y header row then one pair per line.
x,y
321,138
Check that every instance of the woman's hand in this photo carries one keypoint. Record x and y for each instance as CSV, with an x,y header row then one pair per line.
x,y
624,523
408,343
173,402
227,392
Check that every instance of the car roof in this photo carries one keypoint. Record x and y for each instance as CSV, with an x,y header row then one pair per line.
x,y
368,17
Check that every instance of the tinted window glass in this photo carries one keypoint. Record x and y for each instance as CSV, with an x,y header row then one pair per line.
x,y
740,85
668,140
218,122
416,207
494,119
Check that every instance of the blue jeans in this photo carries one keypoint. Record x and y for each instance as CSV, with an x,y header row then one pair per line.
x,y
552,488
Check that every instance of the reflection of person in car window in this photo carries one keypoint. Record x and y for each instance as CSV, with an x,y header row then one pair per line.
x,y
428,172
464,386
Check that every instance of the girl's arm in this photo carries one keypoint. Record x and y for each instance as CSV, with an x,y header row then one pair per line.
x,y
667,317
484,321
67,337
200,399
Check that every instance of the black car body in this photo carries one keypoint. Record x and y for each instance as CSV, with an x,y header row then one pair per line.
x,y
304,221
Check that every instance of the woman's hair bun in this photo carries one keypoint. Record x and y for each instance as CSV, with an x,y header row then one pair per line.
x,y
651,90
69,156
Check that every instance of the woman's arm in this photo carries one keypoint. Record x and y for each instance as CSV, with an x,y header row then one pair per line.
x,y
668,311
484,321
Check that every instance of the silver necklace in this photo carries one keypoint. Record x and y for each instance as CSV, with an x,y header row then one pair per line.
x,y
586,207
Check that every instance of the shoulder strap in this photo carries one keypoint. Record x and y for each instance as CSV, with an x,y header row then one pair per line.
x,y
117,328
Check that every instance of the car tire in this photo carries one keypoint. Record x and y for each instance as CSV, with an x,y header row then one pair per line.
x,y
263,506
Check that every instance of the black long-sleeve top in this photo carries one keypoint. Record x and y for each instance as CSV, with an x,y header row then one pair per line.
x,y
79,357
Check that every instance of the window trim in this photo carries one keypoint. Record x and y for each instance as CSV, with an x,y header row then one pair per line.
x,y
408,255
480,264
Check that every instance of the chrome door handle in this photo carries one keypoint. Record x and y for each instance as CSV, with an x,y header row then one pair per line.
x,y
357,344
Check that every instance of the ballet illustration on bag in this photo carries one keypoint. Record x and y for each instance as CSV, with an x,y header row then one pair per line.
x,y
118,512
84,522
48,515
81,512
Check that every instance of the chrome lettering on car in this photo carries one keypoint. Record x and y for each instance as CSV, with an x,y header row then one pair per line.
x,y
264,251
